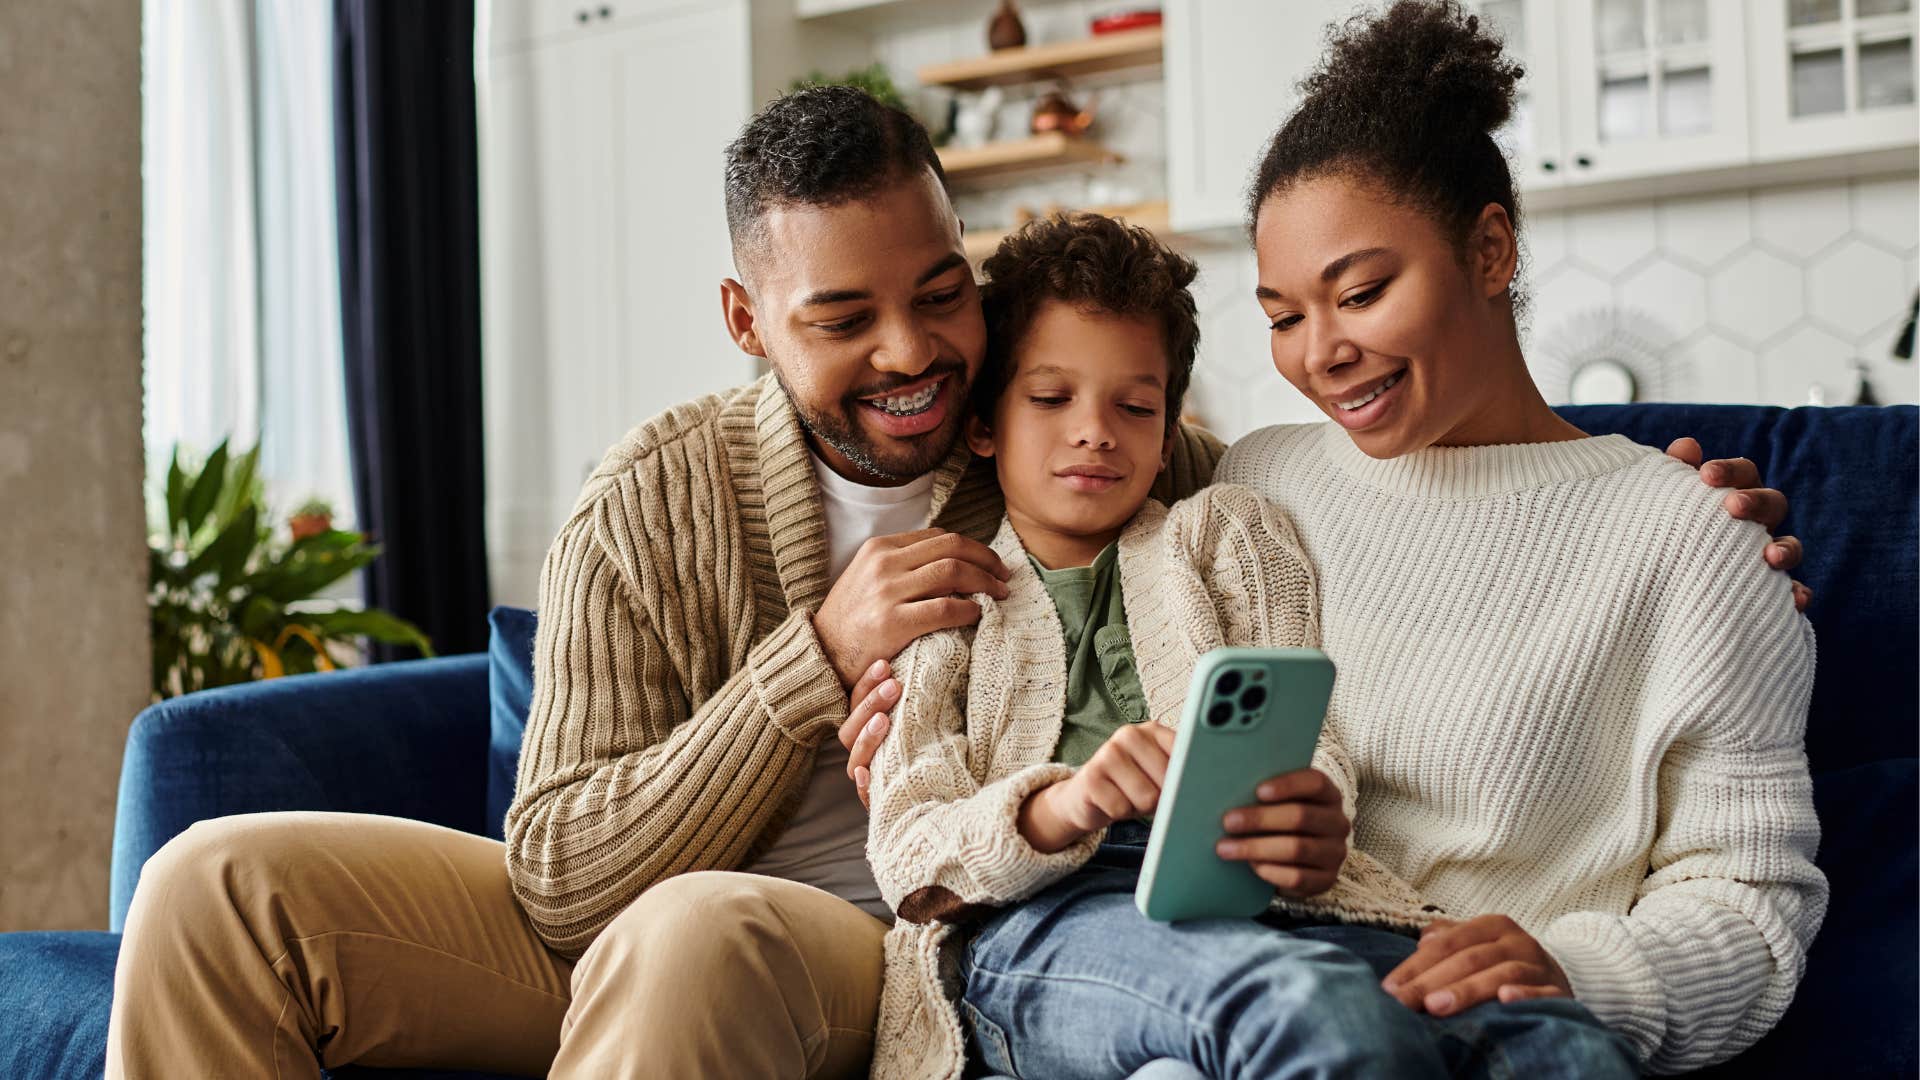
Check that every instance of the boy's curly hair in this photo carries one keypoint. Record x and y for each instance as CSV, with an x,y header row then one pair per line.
x,y
1094,263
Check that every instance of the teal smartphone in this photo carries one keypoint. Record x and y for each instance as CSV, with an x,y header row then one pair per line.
x,y
1251,714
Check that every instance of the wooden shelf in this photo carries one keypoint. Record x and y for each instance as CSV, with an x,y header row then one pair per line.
x,y
1038,63
1149,215
1051,150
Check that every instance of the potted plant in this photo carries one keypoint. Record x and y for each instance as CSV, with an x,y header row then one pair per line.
x,y
230,597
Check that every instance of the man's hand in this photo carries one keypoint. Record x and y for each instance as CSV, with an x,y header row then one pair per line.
x,y
1748,501
1295,837
868,723
1121,781
900,587
1460,965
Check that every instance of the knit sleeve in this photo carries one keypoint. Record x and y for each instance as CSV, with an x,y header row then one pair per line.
x,y
623,780
939,839
1708,957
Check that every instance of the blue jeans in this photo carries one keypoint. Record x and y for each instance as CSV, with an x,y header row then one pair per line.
x,y
1077,983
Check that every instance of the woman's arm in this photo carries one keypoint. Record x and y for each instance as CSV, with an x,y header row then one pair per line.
x,y
939,839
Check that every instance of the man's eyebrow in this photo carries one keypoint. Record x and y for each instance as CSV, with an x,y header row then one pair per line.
x,y
845,296
952,260
1331,271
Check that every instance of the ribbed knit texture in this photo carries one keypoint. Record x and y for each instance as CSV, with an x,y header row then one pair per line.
x,y
975,732
679,689
1572,694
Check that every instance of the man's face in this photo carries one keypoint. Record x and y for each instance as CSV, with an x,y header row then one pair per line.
x,y
868,313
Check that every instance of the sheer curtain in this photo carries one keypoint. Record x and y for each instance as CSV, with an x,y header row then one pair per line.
x,y
241,255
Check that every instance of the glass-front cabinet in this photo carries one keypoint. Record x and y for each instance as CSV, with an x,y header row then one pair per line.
x,y
1653,86
1831,76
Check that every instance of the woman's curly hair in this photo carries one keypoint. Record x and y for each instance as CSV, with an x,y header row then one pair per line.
x,y
1408,99
1095,263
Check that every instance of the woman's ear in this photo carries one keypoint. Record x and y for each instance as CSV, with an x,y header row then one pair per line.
x,y
979,437
1493,251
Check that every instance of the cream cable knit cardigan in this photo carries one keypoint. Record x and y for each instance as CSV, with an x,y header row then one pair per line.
x,y
679,690
981,713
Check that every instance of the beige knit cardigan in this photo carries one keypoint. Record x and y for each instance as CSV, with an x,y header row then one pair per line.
x,y
981,712
679,691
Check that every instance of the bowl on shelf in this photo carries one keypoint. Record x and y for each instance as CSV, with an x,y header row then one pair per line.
x,y
1126,20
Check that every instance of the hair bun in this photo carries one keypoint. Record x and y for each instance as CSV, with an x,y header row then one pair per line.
x,y
1422,62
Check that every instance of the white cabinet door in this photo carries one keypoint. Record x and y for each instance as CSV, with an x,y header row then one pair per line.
x,y
1652,87
1530,32
1231,70
1832,76
603,246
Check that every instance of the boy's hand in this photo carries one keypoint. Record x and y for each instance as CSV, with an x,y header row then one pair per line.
x,y
1748,501
900,587
1295,838
868,723
1121,781
1460,965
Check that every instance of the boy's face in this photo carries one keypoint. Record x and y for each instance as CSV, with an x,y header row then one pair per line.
x,y
1081,431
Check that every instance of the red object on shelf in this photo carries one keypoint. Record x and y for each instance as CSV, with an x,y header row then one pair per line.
x,y
1126,20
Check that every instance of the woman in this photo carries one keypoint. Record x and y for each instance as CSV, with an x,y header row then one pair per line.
x,y
1574,700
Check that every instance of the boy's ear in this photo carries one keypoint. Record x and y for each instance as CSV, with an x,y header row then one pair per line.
x,y
979,436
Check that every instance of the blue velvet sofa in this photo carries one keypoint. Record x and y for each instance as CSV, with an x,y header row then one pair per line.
x,y
436,740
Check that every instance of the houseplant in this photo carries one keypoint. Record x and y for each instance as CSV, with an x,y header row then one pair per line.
x,y
230,597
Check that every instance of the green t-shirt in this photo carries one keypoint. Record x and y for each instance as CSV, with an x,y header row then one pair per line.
x,y
1103,686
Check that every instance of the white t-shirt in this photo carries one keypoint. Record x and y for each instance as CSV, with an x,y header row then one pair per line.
x,y
825,845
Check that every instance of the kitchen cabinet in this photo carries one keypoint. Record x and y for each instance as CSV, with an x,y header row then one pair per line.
x,y
1831,77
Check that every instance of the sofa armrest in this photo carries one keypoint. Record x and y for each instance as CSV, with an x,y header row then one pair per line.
x,y
405,739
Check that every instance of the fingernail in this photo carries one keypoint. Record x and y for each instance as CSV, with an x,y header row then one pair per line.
x,y
1236,821
890,689
1391,986
1743,503
861,777
1440,1001
878,667
1227,849
878,725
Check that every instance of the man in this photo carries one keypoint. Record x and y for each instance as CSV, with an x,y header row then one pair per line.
x,y
684,889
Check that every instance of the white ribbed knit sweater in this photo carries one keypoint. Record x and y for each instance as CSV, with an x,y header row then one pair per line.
x,y
1573,694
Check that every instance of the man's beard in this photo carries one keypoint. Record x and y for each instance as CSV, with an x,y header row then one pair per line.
x,y
903,460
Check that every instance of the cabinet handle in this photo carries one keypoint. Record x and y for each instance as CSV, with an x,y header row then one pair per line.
x,y
1583,161
582,16
1548,165
606,12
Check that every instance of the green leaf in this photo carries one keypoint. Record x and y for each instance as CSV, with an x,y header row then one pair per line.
x,y
206,489
260,617
238,491
379,625
300,578
176,494
228,552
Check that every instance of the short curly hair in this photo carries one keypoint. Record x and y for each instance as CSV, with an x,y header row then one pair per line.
x,y
1094,263
820,146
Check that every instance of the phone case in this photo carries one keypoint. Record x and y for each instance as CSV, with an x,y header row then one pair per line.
x,y
1251,714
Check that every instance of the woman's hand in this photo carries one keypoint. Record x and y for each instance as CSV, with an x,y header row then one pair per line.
x,y
1295,838
1460,965
1120,782
1748,501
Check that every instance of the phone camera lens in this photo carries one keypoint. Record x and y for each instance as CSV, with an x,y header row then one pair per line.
x,y
1229,682
1253,699
1221,712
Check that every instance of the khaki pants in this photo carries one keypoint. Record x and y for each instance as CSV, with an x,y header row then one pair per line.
x,y
271,945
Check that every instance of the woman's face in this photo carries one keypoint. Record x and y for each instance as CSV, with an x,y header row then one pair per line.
x,y
1376,320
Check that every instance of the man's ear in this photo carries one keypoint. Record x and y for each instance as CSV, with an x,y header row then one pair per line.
x,y
1166,444
736,307
1493,254
979,436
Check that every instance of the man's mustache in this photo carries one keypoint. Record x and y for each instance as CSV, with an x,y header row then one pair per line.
x,y
947,366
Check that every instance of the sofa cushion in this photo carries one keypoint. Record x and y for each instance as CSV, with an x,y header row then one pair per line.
x,y
56,990
510,697
1852,476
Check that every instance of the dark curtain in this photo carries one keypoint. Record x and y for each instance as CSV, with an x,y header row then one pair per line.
x,y
407,173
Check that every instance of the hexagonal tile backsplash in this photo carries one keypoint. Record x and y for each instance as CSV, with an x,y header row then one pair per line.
x,y
1765,296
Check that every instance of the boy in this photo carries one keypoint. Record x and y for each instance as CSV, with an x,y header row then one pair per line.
x,y
1019,744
